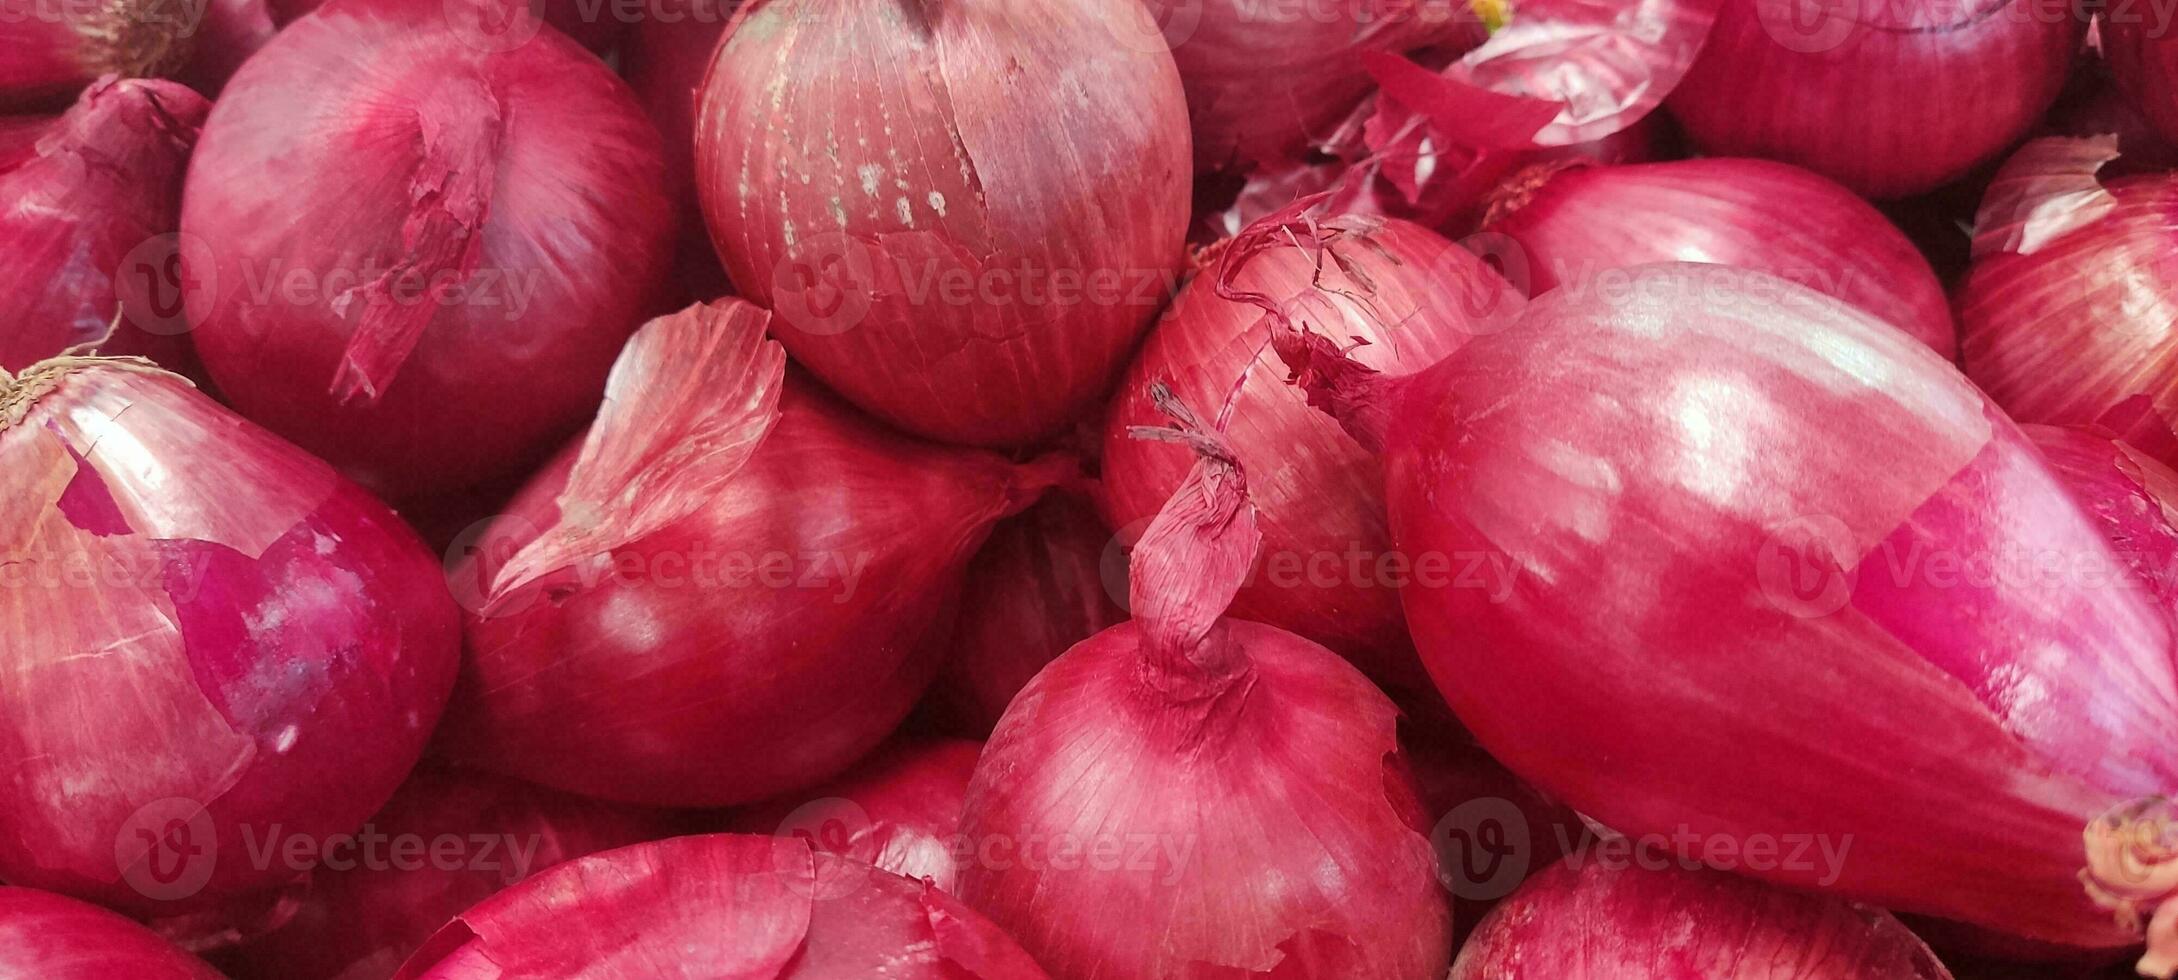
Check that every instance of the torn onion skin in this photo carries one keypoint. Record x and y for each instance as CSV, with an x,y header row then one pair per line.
x,y
1888,98
1574,222
1596,921
89,202
965,214
461,240
217,640
1209,769
897,810
1329,572
2133,498
53,937
721,905
1717,511
50,52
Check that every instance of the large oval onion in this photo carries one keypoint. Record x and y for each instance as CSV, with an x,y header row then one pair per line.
x,y
459,241
447,840
51,51
721,905
88,208
1888,97
965,216
1328,570
1572,224
686,619
1189,795
1791,576
896,810
213,640
1595,921
50,937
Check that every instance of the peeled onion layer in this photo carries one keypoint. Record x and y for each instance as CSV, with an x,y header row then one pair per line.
x,y
214,641
1573,225
721,905
670,617
1588,920
897,810
1888,97
89,202
53,937
964,217
49,52
1328,571
462,237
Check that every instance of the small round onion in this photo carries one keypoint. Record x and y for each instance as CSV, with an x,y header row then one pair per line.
x,y
50,51
213,641
461,237
897,810
1596,921
721,905
965,216
49,937
1888,97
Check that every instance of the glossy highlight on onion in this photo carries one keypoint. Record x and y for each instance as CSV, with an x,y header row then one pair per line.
x,y
51,51
52,937
896,810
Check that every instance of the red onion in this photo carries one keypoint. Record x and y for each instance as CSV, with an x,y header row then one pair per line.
x,y
1572,224
698,614
1595,921
721,905
213,640
1328,571
2067,316
1888,97
964,221
2133,499
87,227
50,51
1039,586
1190,795
594,24
460,239
1789,577
446,841
48,937
896,810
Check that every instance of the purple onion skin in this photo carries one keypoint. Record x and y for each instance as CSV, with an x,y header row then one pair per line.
x,y
1888,97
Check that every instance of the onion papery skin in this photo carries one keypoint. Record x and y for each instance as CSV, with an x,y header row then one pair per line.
x,y
897,810
1755,214
1289,770
2133,498
1593,921
1888,98
721,905
49,52
664,61
503,203
88,208
260,652
965,221
1317,493
1046,580
1758,638
657,688
53,937
491,832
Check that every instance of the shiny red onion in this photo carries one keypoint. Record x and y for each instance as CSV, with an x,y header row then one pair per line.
x,y
1888,97
897,810
965,216
721,905
51,937
697,613
50,51
88,209
1593,920
213,640
460,238
1191,795
1328,570
2070,313
1789,577
1573,224
449,839
1045,581
2133,498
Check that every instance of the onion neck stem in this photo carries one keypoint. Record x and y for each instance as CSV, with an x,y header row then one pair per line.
x,y
18,392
